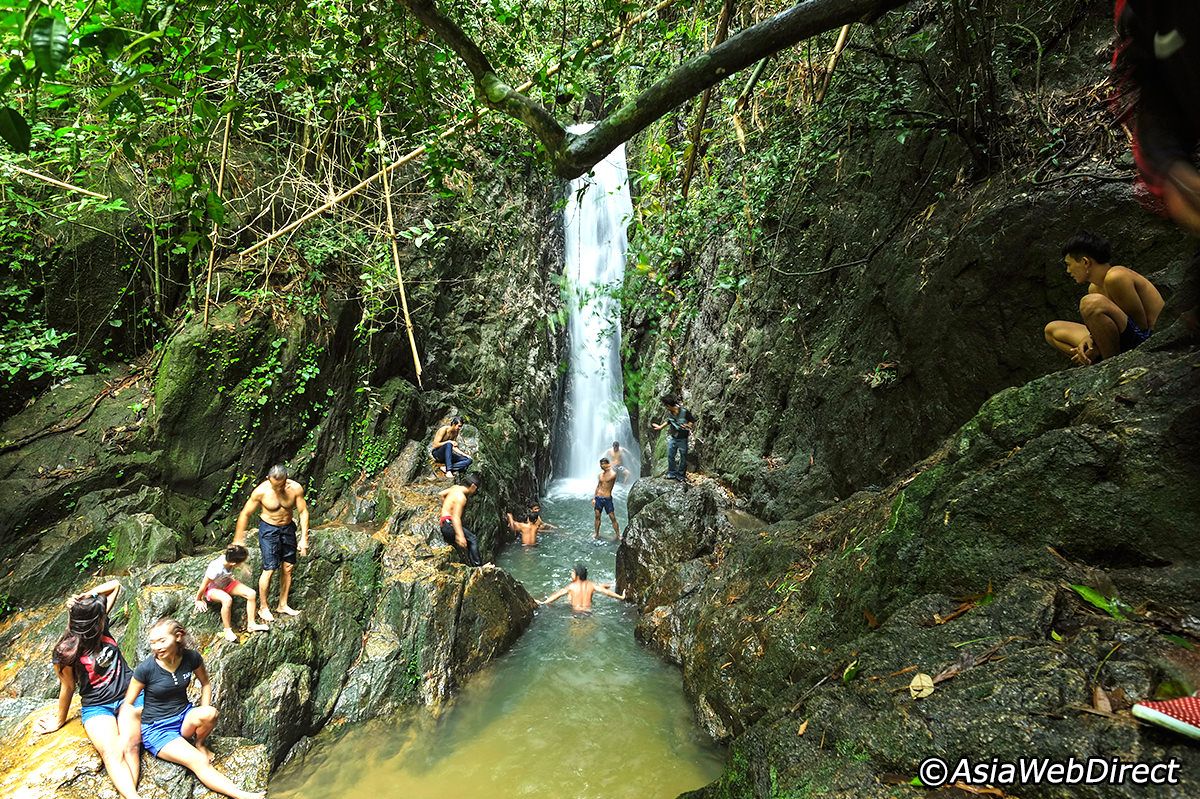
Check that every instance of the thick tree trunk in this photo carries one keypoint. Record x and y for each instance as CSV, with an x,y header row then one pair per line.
x,y
572,155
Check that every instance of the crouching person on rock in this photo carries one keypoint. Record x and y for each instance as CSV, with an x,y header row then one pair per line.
x,y
88,656
168,719
450,524
219,585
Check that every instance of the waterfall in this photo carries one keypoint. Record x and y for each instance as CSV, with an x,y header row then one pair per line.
x,y
598,209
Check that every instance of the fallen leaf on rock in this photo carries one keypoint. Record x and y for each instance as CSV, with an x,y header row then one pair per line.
x,y
952,670
872,622
985,790
904,670
1100,700
921,686
803,728
954,614
1093,711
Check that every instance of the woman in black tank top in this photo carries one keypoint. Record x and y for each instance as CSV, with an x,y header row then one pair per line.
x,y
88,657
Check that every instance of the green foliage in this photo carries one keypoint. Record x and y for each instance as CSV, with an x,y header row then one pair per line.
x,y
99,554
1112,606
29,349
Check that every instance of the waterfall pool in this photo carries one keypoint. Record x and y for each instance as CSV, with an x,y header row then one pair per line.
x,y
576,709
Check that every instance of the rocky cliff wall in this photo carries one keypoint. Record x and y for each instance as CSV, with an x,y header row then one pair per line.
x,y
842,317
798,640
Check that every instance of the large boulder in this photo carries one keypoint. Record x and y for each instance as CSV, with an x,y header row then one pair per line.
x,y
960,569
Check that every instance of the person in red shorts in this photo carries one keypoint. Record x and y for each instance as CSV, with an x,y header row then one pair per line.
x,y
219,585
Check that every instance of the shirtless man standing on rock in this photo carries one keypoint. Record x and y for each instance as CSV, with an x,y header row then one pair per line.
x,y
278,497
580,589
450,525
603,500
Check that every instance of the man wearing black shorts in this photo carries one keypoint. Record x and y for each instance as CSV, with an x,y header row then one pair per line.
x,y
278,497
603,501
450,523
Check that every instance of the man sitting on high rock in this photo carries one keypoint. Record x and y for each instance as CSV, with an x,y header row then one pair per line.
x,y
1119,310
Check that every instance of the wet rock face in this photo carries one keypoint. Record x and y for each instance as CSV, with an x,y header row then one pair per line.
x,y
959,570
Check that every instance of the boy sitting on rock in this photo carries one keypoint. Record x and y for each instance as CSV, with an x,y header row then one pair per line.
x,y
219,585
1119,310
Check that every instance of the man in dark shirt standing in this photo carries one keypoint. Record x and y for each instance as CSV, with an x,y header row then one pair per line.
x,y
680,424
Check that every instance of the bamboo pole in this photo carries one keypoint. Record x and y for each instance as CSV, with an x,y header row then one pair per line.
x,y
391,221
833,60
447,133
212,238
60,184
698,124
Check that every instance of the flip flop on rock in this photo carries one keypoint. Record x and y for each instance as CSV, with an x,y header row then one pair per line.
x,y
1179,715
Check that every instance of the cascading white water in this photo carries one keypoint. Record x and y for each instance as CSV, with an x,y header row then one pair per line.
x,y
598,209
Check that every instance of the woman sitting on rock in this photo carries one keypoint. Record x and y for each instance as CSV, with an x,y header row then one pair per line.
x,y
87,656
168,719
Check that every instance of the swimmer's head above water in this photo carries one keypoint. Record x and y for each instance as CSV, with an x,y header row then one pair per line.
x,y
579,572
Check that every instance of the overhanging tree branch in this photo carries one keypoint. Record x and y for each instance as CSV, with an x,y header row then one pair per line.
x,y
574,154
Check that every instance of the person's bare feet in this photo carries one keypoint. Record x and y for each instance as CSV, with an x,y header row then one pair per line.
x,y
256,628
287,611
230,636
265,614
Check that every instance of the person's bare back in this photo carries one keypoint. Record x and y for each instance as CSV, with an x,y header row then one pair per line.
x,y
580,590
526,531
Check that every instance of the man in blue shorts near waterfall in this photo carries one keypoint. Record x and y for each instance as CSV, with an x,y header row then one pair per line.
x,y
680,423
603,501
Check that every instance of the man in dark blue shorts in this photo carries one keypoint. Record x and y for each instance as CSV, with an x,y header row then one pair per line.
x,y
278,497
603,501
1119,311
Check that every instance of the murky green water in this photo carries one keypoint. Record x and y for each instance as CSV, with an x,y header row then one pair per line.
x,y
576,709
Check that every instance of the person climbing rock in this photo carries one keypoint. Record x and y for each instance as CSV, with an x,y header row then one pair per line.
x,y
602,501
88,657
680,423
446,451
526,531
1156,71
1119,311
278,497
454,533
580,589
615,457
219,585
173,729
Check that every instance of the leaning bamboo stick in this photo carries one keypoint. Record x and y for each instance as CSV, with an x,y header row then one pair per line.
x,y
391,221
60,184
212,238
697,133
833,60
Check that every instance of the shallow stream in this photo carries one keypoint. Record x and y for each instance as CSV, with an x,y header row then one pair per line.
x,y
576,709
